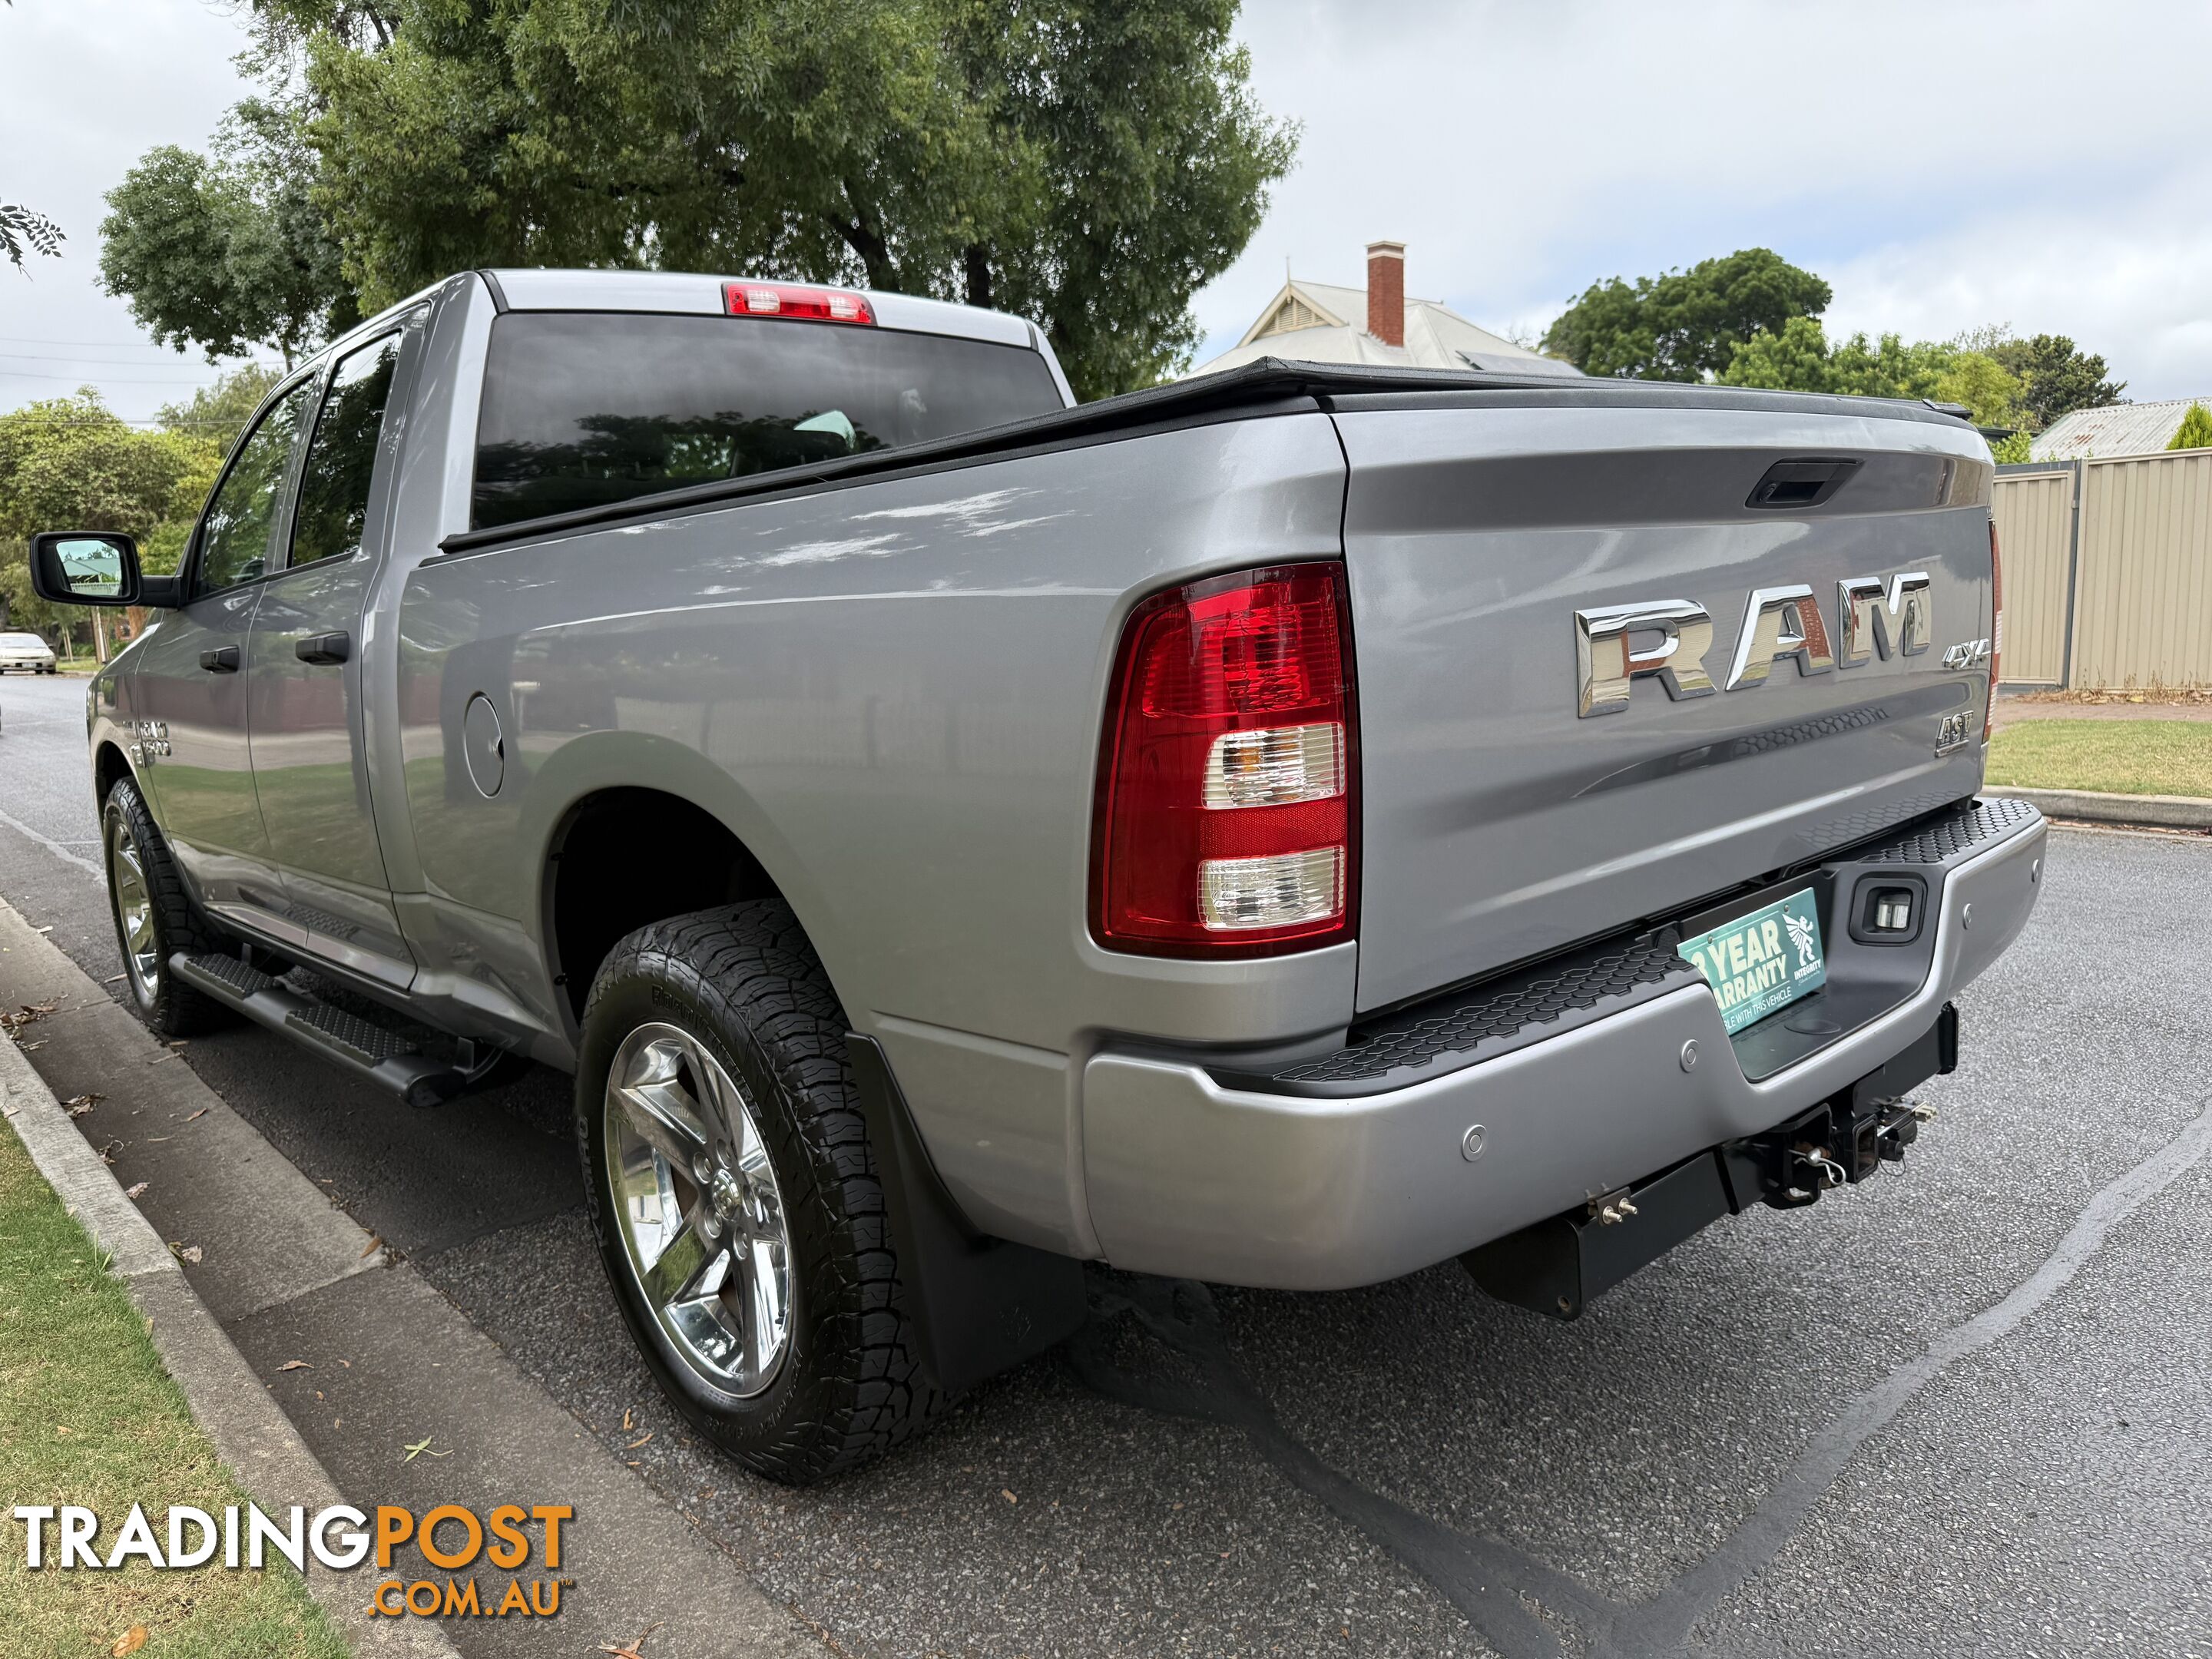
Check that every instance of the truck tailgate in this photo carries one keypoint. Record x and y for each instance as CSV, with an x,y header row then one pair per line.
x,y
1500,821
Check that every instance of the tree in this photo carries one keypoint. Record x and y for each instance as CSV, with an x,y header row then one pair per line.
x,y
70,463
2196,432
1684,325
1084,165
2059,378
1995,395
1799,358
228,253
217,414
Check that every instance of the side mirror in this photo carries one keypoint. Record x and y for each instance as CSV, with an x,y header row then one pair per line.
x,y
85,567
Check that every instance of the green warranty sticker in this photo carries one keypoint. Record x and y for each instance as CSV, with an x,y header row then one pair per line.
x,y
1762,962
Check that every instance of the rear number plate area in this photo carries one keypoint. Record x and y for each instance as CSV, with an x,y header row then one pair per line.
x,y
1762,962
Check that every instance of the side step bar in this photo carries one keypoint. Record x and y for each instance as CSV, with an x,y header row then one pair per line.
x,y
385,1057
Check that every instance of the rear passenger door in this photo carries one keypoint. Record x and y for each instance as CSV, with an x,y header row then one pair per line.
x,y
309,733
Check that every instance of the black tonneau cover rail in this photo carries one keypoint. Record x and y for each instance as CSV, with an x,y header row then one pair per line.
x,y
1270,385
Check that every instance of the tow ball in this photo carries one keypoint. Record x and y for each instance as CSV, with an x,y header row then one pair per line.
x,y
1831,1147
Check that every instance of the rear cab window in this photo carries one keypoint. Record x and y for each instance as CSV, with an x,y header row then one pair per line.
x,y
582,409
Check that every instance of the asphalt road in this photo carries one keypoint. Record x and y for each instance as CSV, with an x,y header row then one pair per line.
x,y
1964,1410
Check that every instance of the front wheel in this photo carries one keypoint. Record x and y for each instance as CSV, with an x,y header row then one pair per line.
x,y
155,917
730,1182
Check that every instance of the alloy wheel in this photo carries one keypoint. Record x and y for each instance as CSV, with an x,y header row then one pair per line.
x,y
701,1214
134,910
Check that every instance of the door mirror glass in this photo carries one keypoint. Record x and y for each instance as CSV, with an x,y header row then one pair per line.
x,y
85,567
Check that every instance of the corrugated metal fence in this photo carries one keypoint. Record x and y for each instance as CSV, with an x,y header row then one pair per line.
x,y
2107,571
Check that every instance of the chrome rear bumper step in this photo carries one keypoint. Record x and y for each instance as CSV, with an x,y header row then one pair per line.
x,y
388,1059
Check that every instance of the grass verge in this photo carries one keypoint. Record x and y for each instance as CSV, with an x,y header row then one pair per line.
x,y
89,1416
2119,757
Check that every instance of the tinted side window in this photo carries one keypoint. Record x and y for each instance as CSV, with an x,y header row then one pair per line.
x,y
235,537
342,455
584,408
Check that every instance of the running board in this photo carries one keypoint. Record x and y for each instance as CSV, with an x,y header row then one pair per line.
x,y
385,1057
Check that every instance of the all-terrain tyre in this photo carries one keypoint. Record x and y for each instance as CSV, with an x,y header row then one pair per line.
x,y
155,917
716,1113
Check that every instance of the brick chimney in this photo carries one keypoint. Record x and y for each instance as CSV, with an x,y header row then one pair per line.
x,y
1386,292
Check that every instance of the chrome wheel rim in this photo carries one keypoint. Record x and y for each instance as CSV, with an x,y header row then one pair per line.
x,y
134,911
701,1215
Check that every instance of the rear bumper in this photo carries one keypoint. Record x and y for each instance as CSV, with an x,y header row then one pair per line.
x,y
1191,1172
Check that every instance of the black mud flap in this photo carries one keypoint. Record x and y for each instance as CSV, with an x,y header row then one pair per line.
x,y
981,1304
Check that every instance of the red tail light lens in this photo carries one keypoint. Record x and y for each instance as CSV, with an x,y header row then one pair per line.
x,y
794,300
1996,630
1228,779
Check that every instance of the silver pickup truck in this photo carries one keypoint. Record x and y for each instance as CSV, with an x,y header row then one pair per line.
x,y
1289,827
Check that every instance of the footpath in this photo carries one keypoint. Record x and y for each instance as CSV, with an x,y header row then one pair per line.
x,y
326,1371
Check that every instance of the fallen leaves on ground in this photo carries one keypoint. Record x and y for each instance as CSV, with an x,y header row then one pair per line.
x,y
25,1014
137,1191
1008,1496
639,1440
374,1244
130,1642
191,1253
626,1425
203,1112
78,1105
629,1650
422,1447
295,1365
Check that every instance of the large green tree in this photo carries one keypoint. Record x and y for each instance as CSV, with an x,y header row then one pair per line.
x,y
1086,163
2060,378
72,463
227,252
1684,325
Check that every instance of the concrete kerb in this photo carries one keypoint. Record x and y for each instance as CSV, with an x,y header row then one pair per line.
x,y
2090,806
230,1402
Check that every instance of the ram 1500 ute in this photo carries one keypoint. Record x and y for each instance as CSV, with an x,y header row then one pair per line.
x,y
1288,828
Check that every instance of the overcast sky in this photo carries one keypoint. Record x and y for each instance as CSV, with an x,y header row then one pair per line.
x,y
1943,165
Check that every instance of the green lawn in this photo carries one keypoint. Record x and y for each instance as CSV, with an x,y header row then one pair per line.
x,y
2119,757
88,1416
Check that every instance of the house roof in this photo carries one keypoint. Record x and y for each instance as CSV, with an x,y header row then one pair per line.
x,y
1436,336
2115,429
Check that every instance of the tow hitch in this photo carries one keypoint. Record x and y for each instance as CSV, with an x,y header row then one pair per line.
x,y
1556,1266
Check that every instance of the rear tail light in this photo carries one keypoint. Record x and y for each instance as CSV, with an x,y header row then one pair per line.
x,y
794,299
1228,775
1996,630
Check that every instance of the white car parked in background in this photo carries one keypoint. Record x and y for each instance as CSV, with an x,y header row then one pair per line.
x,y
26,651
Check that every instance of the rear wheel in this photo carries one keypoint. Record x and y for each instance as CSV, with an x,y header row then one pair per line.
x,y
731,1184
154,918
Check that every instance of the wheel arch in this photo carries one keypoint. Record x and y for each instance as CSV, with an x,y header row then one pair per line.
x,y
595,888
109,767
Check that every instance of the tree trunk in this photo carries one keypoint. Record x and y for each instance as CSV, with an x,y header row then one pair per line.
x,y
979,275
98,638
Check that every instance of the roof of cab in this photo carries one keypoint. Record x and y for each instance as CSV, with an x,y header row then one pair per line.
x,y
682,293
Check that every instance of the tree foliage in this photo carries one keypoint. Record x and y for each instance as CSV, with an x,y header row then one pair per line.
x,y
72,463
1799,358
2196,430
1087,164
227,252
1684,325
24,230
2060,379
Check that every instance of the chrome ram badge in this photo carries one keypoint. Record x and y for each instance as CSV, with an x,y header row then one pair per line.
x,y
1874,618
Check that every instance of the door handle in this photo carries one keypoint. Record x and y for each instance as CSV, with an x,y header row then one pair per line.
x,y
223,659
324,649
